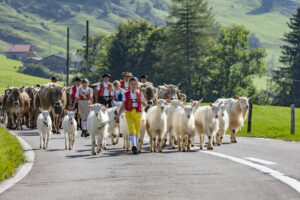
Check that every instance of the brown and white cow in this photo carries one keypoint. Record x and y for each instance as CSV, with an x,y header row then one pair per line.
x,y
17,103
150,94
52,97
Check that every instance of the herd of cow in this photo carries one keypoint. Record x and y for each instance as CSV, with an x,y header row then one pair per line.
x,y
167,115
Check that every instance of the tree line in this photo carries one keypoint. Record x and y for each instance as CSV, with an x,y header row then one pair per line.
x,y
210,61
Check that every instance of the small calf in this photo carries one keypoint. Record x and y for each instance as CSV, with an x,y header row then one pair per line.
x,y
69,126
44,125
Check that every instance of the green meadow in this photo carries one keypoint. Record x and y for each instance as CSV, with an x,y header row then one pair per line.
x,y
11,154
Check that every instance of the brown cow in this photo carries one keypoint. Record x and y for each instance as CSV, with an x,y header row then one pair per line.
x,y
2,110
52,97
17,103
31,115
150,94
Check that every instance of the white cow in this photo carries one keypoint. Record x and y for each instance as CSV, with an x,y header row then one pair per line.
x,y
44,125
207,123
184,126
156,125
97,126
237,110
69,126
114,126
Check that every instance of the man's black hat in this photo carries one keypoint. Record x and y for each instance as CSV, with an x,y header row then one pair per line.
x,y
54,78
106,75
77,79
143,76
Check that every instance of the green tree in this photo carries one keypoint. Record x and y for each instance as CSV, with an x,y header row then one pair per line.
x,y
126,49
188,42
97,56
234,64
287,78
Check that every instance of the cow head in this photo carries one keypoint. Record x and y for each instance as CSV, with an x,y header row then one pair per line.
x,y
171,91
71,116
150,93
223,109
56,96
162,103
15,95
216,109
244,103
188,110
98,108
45,114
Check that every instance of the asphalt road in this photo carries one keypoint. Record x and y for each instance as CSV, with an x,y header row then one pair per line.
x,y
115,174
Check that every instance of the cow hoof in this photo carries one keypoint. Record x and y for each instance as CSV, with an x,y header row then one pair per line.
x,y
210,148
93,153
54,131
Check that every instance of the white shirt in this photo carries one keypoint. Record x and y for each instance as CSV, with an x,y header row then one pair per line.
x,y
106,91
126,84
71,91
134,96
85,91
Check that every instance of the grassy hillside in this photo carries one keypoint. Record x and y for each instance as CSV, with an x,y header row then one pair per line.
x,y
9,76
33,21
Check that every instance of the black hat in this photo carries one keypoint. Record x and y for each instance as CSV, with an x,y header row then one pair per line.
x,y
77,79
106,75
54,78
144,76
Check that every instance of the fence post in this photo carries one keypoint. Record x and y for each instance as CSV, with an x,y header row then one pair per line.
x,y
249,118
292,118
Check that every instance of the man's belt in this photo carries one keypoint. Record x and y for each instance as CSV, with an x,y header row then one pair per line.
x,y
133,100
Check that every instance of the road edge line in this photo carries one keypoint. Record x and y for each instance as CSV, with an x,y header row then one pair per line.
x,y
293,183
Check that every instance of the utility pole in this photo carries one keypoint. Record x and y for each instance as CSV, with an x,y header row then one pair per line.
x,y
68,49
87,49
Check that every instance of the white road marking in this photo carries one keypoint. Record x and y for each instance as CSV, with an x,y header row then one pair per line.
x,y
295,184
265,162
23,170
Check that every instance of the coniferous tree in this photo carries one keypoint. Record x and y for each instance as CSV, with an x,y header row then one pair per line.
x,y
188,41
287,78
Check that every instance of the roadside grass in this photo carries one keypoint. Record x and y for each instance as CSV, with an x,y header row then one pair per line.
x,y
11,154
272,122
10,77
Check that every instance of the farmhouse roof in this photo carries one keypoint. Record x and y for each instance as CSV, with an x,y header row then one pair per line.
x,y
18,48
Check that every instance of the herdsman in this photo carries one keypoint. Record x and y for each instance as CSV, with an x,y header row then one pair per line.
x,y
133,100
84,97
144,80
72,95
125,82
104,93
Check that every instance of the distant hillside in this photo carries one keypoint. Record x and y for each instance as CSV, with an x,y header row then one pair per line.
x,y
43,23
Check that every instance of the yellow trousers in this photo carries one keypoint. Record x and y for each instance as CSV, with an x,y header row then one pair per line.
x,y
133,119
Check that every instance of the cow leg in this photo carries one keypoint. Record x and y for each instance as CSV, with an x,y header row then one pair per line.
x,y
53,124
47,141
118,136
93,145
210,143
70,141
41,140
66,138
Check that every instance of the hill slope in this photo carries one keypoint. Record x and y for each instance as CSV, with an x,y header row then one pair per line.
x,y
43,23
10,77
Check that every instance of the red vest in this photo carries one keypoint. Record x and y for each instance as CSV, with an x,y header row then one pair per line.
x,y
74,91
128,101
123,84
86,95
101,91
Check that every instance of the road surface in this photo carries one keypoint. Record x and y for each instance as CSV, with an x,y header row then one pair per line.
x,y
115,174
